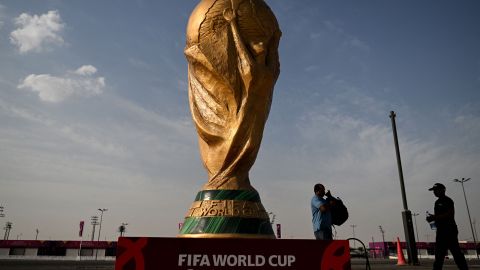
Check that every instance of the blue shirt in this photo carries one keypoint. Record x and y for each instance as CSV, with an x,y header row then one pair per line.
x,y
321,220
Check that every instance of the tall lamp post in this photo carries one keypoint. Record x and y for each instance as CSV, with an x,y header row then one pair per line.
x,y
8,228
374,248
468,211
6,225
100,228
353,228
101,219
383,239
416,228
415,220
406,214
475,228
94,223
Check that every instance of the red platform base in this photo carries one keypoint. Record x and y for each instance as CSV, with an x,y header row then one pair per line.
x,y
142,253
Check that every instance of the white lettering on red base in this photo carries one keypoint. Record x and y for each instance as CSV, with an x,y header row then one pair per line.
x,y
230,260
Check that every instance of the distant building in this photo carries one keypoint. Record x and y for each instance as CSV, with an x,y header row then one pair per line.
x,y
66,250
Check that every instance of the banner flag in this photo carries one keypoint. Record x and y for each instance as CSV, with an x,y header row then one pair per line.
x,y
80,233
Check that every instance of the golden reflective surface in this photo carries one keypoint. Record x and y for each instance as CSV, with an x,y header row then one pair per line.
x,y
227,208
232,53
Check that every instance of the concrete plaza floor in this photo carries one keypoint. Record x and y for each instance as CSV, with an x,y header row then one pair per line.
x,y
378,264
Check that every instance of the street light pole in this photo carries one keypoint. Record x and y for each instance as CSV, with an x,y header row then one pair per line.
x,y
94,223
406,214
415,220
101,219
1,216
416,228
475,228
100,228
353,228
8,227
468,212
383,239
374,247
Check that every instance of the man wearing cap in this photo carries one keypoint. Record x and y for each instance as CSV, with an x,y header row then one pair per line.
x,y
447,232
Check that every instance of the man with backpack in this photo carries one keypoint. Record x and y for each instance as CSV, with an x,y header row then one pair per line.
x,y
326,212
321,215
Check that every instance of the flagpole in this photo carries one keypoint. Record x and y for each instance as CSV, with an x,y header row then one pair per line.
x,y
80,250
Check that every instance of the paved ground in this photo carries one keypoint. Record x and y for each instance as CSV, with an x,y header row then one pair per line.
x,y
357,264
377,264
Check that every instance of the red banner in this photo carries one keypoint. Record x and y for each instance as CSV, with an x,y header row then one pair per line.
x,y
221,254
80,233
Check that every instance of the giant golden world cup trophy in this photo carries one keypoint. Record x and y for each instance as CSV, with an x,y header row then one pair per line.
x,y
232,53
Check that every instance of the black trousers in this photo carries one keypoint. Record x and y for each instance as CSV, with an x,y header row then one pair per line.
x,y
448,240
323,235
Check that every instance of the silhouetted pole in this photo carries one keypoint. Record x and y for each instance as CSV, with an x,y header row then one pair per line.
x,y
399,161
415,220
416,228
100,228
475,228
383,240
101,220
406,214
8,227
374,248
353,228
468,211
94,223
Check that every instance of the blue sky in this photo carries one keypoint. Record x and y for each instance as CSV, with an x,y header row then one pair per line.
x,y
94,114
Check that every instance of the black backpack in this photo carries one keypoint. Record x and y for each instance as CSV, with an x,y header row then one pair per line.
x,y
339,212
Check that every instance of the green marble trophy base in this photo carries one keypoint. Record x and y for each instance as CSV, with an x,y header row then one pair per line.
x,y
227,214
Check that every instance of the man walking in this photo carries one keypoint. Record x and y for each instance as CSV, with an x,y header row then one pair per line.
x,y
321,215
447,231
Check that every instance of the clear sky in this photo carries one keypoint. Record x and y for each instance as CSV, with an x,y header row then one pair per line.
x,y
94,114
